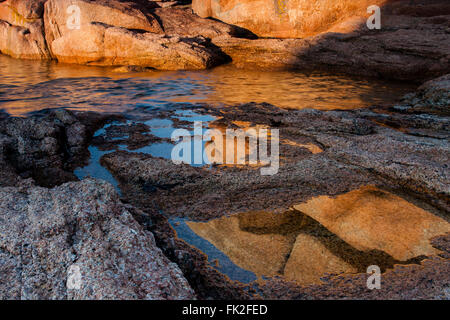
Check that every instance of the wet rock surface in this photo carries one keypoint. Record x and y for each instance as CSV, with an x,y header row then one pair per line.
x,y
380,146
46,146
357,152
207,282
199,193
401,151
432,97
44,232
323,154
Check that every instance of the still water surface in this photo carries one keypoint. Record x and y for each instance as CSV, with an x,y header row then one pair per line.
x,y
27,86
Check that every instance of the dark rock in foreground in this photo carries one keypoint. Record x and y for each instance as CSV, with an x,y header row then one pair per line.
x,y
432,97
44,233
46,146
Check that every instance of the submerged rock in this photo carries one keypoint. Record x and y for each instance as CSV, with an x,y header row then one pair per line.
x,y
48,235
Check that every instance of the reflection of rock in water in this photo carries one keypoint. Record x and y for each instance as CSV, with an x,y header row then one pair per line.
x,y
310,259
263,254
370,227
369,218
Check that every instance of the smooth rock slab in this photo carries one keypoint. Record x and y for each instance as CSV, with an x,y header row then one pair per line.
x,y
117,34
44,232
369,218
282,18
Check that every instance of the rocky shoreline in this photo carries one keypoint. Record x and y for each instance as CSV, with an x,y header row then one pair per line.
x,y
395,156
413,43
402,149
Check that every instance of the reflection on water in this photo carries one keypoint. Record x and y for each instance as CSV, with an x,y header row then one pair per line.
x,y
95,170
27,86
162,128
325,235
215,256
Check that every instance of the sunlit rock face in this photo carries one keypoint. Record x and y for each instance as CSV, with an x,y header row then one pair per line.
x,y
120,33
107,32
112,13
22,29
287,18
369,218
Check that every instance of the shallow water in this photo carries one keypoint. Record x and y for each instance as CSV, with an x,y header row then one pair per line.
x,y
27,86
325,235
30,86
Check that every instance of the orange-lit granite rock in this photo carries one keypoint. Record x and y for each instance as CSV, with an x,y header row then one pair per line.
x,y
412,44
107,33
100,45
22,29
60,21
117,33
369,218
182,22
27,9
283,18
